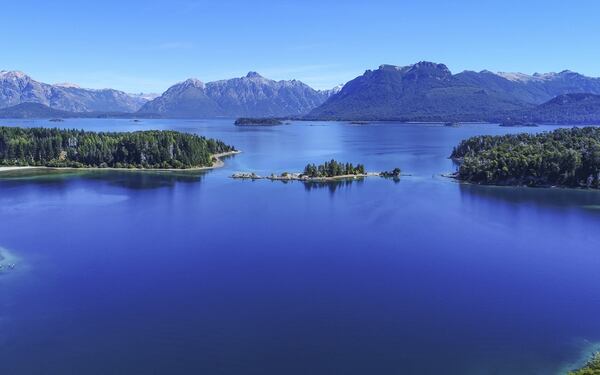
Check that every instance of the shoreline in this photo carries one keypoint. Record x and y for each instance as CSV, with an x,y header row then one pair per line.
x,y
453,177
304,178
217,163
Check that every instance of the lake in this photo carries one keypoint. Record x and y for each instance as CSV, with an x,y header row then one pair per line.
x,y
197,273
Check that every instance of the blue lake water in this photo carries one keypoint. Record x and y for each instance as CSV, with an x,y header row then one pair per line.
x,y
149,273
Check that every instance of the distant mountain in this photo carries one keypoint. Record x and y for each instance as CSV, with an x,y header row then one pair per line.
x,y
330,92
249,96
33,110
42,111
17,87
564,109
417,91
536,88
429,91
144,96
184,99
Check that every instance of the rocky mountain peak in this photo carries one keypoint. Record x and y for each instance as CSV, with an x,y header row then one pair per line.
x,y
426,69
192,82
253,75
12,75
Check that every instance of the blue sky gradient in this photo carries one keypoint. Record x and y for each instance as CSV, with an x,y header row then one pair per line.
x,y
149,45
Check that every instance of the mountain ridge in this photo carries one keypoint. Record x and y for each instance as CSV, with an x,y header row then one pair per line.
x,y
429,90
249,96
17,87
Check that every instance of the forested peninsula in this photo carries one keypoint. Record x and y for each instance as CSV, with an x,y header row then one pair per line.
x,y
152,149
590,368
564,157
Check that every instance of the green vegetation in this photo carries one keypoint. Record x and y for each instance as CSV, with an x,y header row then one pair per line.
x,y
78,148
591,368
393,173
564,157
257,121
332,169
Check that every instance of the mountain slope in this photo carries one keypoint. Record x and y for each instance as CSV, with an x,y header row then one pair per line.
x,y
33,110
17,88
428,91
564,109
249,96
534,89
416,91
184,99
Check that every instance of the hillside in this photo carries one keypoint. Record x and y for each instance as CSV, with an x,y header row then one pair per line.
x,y
33,110
564,109
417,91
427,91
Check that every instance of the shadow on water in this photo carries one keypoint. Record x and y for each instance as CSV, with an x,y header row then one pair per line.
x,y
130,179
333,186
550,197
147,179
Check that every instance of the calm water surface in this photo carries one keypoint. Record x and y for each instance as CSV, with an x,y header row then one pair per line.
x,y
183,273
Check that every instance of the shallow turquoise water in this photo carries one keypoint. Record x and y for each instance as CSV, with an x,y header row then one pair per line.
x,y
145,273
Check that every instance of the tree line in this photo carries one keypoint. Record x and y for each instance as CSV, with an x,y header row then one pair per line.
x,y
79,148
564,157
332,169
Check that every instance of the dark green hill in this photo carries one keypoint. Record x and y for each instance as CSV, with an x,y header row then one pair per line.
x,y
564,109
33,110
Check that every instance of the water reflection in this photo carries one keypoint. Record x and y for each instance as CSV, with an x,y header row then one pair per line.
x,y
139,180
130,179
554,197
333,186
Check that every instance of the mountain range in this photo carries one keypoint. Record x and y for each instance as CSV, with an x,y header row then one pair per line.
x,y
249,96
424,91
429,91
17,87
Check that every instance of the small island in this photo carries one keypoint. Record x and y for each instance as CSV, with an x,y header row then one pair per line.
x,y
329,171
562,158
152,149
592,367
249,121
517,124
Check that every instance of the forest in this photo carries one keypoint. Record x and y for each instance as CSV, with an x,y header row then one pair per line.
x,y
591,368
78,148
564,157
332,169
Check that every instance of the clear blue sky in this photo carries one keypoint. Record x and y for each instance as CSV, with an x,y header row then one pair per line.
x,y
149,45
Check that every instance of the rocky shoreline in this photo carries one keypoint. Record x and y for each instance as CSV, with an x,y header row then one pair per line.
x,y
302,177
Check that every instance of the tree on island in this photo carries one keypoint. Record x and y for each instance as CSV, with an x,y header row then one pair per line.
x,y
332,169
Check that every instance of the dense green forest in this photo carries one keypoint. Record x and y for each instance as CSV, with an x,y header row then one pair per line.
x,y
258,121
591,368
564,157
332,169
78,148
